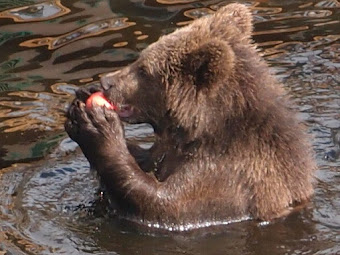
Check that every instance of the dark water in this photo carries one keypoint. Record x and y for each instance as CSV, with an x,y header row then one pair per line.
x,y
49,202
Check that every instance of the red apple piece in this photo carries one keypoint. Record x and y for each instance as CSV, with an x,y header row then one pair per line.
x,y
99,99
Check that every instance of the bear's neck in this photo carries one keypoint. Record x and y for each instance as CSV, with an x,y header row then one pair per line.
x,y
178,141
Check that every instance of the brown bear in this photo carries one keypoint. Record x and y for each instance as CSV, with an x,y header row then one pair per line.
x,y
227,144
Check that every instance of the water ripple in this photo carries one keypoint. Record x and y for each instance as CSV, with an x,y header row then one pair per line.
x,y
42,111
89,30
36,12
46,207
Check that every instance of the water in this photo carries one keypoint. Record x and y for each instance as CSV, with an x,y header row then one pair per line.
x,y
49,200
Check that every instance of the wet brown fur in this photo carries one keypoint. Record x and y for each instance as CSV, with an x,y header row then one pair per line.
x,y
227,144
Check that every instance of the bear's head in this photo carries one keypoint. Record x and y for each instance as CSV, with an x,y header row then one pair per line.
x,y
192,79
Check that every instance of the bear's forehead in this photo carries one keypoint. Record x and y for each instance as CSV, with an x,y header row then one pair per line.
x,y
178,43
231,24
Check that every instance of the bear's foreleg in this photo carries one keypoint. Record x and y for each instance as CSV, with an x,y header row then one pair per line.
x,y
100,135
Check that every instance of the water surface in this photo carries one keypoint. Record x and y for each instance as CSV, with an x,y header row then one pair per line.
x,y
49,200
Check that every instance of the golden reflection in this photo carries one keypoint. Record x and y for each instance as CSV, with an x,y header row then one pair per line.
x,y
89,30
175,1
142,37
269,43
7,170
137,32
120,44
321,40
24,243
14,126
85,80
195,14
282,30
280,49
40,111
66,89
327,23
4,112
183,23
306,5
36,12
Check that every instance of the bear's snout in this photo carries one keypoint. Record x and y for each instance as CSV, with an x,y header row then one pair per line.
x,y
108,80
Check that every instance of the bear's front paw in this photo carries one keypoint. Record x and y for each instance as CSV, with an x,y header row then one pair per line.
x,y
95,129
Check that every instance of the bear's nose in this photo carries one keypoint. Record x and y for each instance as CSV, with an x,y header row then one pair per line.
x,y
107,80
104,81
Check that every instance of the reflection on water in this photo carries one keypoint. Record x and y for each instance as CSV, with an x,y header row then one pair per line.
x,y
49,202
328,4
36,12
93,29
175,1
33,110
195,14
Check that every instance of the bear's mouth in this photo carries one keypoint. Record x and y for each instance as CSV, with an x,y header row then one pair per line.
x,y
125,111
129,114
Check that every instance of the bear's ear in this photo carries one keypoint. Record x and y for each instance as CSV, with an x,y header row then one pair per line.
x,y
229,16
208,64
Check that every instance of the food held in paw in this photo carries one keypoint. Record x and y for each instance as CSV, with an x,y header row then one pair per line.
x,y
99,99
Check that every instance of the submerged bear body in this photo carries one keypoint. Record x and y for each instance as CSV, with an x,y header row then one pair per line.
x,y
227,146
